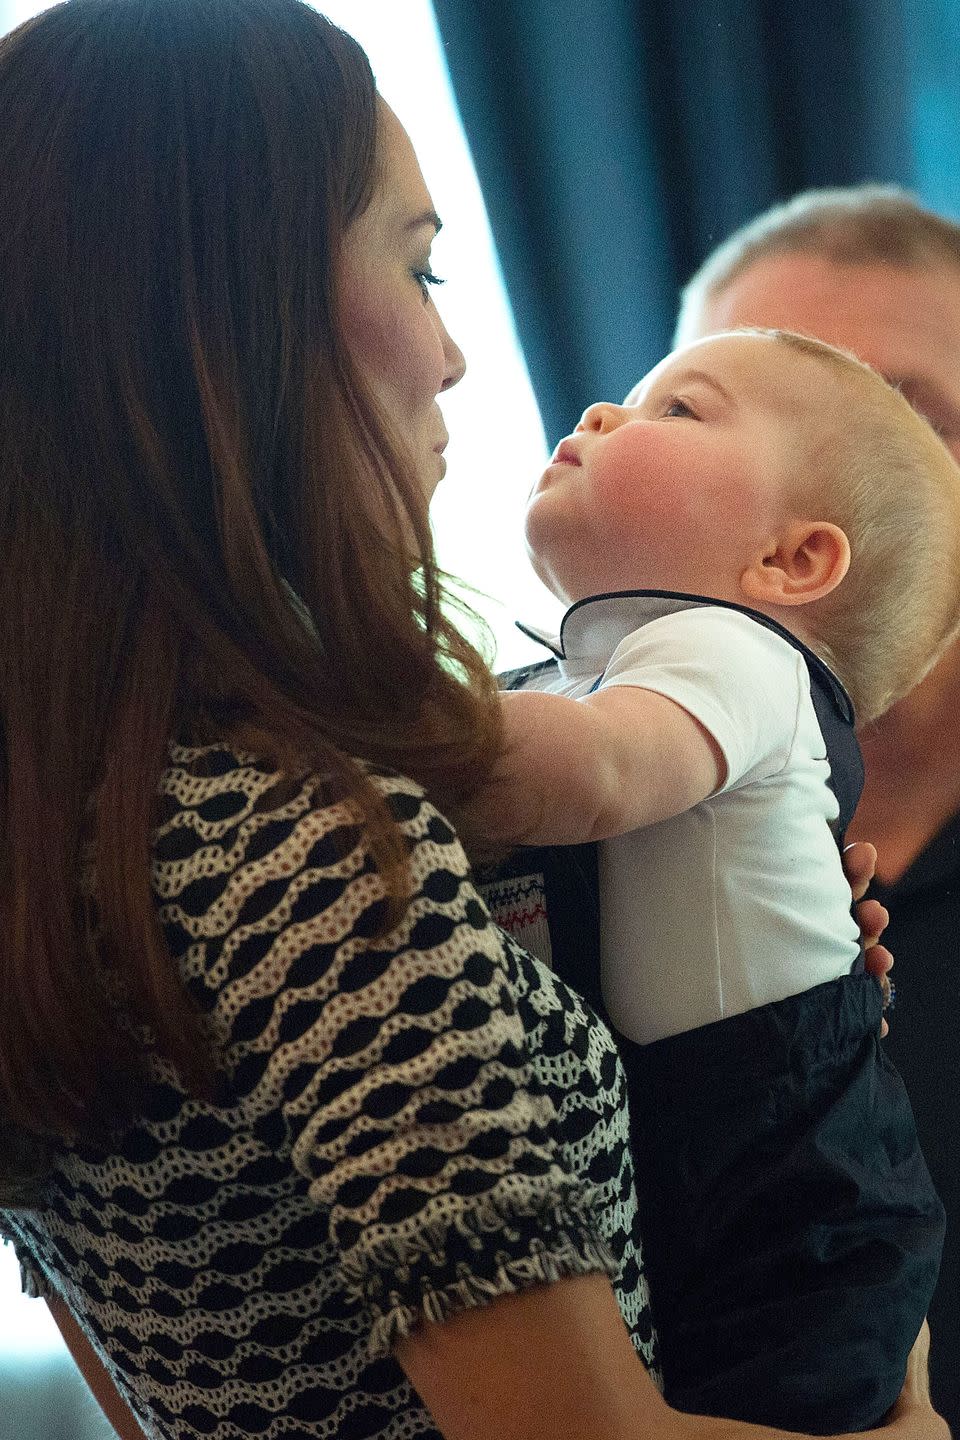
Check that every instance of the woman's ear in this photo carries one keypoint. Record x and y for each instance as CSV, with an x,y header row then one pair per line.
x,y
804,563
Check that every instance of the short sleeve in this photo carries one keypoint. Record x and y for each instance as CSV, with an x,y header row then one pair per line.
x,y
742,682
401,1070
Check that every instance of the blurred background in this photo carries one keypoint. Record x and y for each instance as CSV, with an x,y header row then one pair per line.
x,y
585,157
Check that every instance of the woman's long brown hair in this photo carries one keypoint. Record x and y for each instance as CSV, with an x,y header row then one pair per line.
x,y
206,531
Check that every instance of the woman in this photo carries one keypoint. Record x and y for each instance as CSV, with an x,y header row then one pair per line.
x,y
295,1143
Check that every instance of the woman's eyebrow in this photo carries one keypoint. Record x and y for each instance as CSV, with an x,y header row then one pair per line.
x,y
429,217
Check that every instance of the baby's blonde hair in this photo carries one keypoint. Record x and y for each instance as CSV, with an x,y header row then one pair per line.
x,y
882,475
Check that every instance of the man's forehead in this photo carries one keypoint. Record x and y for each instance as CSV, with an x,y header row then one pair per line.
x,y
903,321
896,318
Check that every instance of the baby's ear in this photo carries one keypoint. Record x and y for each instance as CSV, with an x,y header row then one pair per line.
x,y
806,561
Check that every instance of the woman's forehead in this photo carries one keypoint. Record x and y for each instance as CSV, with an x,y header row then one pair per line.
x,y
400,189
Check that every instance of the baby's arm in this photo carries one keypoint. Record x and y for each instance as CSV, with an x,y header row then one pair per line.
x,y
578,770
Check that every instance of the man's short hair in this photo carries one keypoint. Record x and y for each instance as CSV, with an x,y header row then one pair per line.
x,y
856,225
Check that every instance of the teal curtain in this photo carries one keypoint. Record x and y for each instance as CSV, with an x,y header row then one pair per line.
x,y
618,141
933,49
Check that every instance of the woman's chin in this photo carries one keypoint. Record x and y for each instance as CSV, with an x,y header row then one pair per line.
x,y
433,471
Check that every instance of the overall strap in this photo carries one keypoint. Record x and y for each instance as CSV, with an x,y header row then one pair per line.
x,y
843,748
559,881
831,704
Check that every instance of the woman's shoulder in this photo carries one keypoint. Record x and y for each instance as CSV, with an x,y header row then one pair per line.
x,y
254,872
223,797
250,866
197,772
226,814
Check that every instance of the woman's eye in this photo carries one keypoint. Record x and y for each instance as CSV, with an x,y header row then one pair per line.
x,y
680,408
425,278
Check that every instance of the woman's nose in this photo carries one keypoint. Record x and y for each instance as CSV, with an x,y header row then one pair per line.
x,y
601,417
454,363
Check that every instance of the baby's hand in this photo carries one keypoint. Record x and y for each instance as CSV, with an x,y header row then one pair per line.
x,y
859,863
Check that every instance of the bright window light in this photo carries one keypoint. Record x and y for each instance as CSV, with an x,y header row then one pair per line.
x,y
497,446
12,12
26,1329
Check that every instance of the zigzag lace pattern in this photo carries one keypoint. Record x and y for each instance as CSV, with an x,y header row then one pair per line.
x,y
406,1126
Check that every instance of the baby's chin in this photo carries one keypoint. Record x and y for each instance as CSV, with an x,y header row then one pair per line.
x,y
546,574
566,588
557,555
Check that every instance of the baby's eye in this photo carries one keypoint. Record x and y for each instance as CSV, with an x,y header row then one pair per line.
x,y
679,408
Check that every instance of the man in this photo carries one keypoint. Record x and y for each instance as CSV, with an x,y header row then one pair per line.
x,y
869,270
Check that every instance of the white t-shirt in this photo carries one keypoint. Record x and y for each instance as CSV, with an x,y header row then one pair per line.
x,y
740,900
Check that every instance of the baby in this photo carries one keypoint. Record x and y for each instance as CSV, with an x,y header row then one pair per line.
x,y
796,529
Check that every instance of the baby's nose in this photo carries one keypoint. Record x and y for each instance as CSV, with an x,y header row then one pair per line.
x,y
601,417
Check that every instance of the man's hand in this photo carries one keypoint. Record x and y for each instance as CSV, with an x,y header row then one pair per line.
x,y
913,1414
859,863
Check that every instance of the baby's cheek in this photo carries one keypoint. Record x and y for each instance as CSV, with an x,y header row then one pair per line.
x,y
626,494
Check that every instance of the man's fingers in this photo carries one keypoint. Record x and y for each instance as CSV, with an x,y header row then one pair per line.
x,y
872,917
878,960
859,863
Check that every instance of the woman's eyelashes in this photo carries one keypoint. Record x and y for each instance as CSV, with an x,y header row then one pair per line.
x,y
425,277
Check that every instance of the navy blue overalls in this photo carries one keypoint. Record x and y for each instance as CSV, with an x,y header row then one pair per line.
x,y
792,1234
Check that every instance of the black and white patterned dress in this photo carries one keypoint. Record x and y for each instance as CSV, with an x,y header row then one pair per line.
x,y
404,1127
